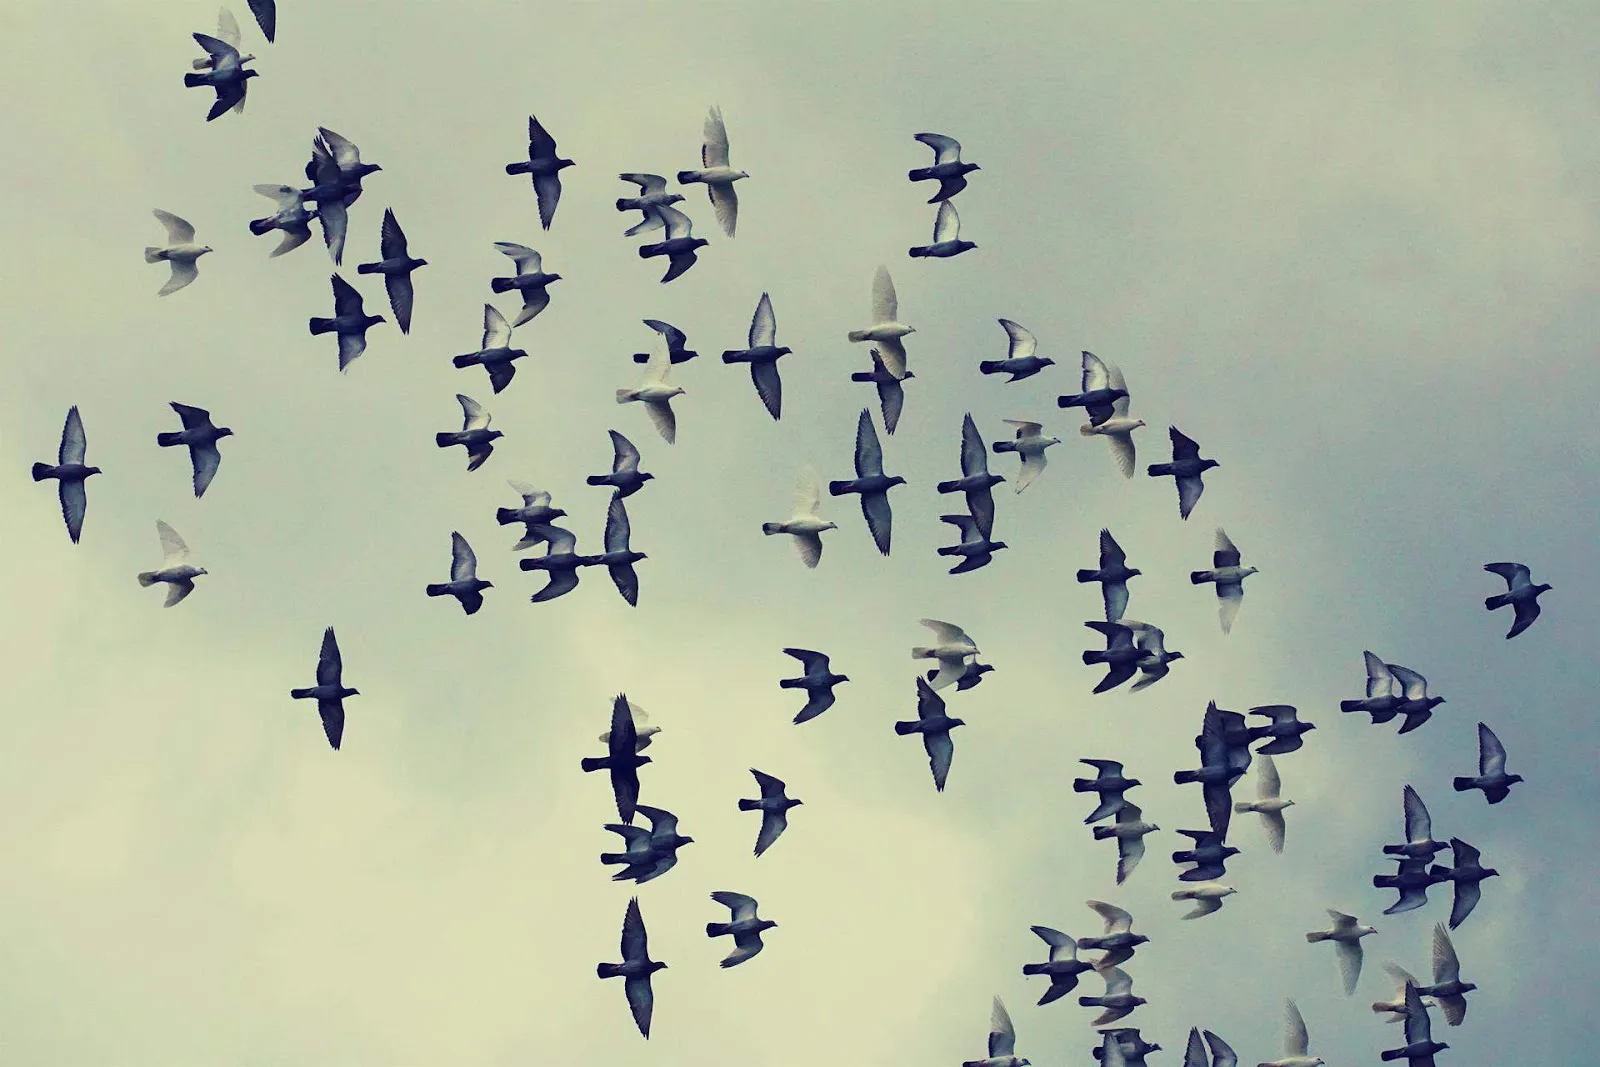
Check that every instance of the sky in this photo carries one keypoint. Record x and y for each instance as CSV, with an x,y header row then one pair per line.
x,y
1348,248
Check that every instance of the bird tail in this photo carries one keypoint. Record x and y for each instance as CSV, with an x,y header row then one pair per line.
x,y
192,80
1499,600
41,471
1392,1054
166,440
749,805
918,251
598,763
1088,576
625,395
734,356
505,516
616,857
517,168
608,970
1103,832
624,204
947,487
1439,872
838,488
918,652
1317,935
716,929
990,366
920,174
903,728
1199,577
1351,705
1394,850
502,285
147,578
1159,470
688,177
369,268
1242,806
321,326
438,590
1005,446
1089,1002
1463,784
771,528
596,479
261,226
1091,656
1185,777
152,254
1035,968
464,361
1073,400
857,335
300,694
1083,785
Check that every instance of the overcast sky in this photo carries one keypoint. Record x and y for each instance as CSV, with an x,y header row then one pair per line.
x,y
1350,249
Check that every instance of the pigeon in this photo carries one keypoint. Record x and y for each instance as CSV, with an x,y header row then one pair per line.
x,y
762,355
1207,897
1466,873
1448,990
292,217
1228,576
1492,777
1118,428
396,267
1346,933
952,651
1411,880
266,13
934,726
1383,697
643,733
330,690
1396,1009
870,482
350,322
1221,1055
947,167
1296,1043
805,525
625,476
745,929
680,245
474,435
650,853
715,174
201,436
228,33
1186,469
618,558
622,759
818,682
176,570
1120,656
561,561
227,75
180,253
1020,361
1521,594
1420,1047
1284,729
535,512
1118,1000
1110,1053
464,583
636,968
1268,803
544,166
1209,854
1132,1045
1002,1041
774,807
495,354
530,280
891,394
335,172
676,342
975,481
71,472
1063,966
1118,941
971,674
1153,665
1113,575
653,194
1030,444
1098,392
947,240
1417,706
1110,783
886,329
1129,830
656,395
1221,763
976,550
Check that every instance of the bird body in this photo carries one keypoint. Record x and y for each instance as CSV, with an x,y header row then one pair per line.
x,y
544,166
774,805
1209,855
1062,968
464,583
292,217
330,691
1492,778
1229,577
474,435
1185,469
1416,706
1112,574
1521,594
947,240
653,194
886,329
1207,897
762,356
1098,393
745,928
636,968
947,169
952,648
818,682
350,322
1268,803
561,561
530,280
618,558
871,483
180,253
934,726
1347,933
680,245
1467,873
715,173
1021,359
396,266
1118,1000
70,472
1118,942
226,75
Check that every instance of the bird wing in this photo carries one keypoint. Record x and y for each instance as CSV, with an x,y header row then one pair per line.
x,y
770,787
496,331
184,271
620,742
1033,465
1515,574
725,205
974,454
1415,685
649,184
1130,850
940,751
1119,406
179,232
966,525
1491,753
1226,554
948,633
1123,452
74,505
392,240
1446,965
527,261
266,13
1349,954
287,196
398,286
763,324
930,705
463,563
1117,920
1464,854
885,304
1419,827
193,418
661,414
946,149
743,907
1230,595
807,500
344,150
74,444
1274,822
617,525
635,942
1024,427
330,666
473,415
714,150
228,27
173,550
1095,374
675,337
678,224
1022,343
769,386
1268,784
1002,1035
540,144
946,224
878,512
869,452
346,301
1380,681
531,497
547,189
1419,1029
205,459
1183,447
1296,1042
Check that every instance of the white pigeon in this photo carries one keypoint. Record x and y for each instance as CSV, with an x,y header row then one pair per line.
x,y
1029,443
1118,429
952,651
1296,1042
886,329
1002,1041
656,395
1207,897
176,570
1347,933
805,525
181,252
1268,803
643,732
1129,830
228,32
715,174
1229,578
1396,1008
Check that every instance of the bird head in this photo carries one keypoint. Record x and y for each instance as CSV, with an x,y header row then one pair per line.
x,y
556,513
1046,361
1249,571
363,169
1055,441
685,841
1288,803
204,249
1174,655
963,722
910,329
91,470
352,692
646,477
698,242
907,374
564,163
972,167
995,546
1489,872
248,74
200,570
494,434
657,965
784,350
418,263
1139,1000
835,526
1136,424
1207,464
1435,701
744,174
1541,589
966,246
767,924
1512,779
488,585
1137,939
895,479
223,431
678,391
796,803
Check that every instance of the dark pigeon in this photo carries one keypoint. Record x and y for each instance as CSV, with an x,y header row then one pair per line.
x,y
679,247
625,476
774,807
1420,1047
1492,777
1209,854
745,929
618,558
762,355
1466,873
818,682
1112,574
396,267
1110,783
891,394
636,968
330,690
1186,469
870,482
227,75
1099,391
934,726
544,166
1521,594
1020,361
1062,968
1121,656
561,561
650,853
677,341
494,353
474,435
975,549
530,280
1383,697
621,759
464,583
1284,729
201,436
71,472
947,169
350,322
975,481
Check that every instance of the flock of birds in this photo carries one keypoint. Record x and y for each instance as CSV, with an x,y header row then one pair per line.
x,y
336,171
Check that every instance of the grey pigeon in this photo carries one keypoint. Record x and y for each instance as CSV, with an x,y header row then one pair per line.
x,y
891,394
1209,854
886,329
176,571
1154,664
871,483
653,194
1521,594
1029,443
762,355
1466,872
677,342
335,172
227,75
1411,880
636,968
1118,942
976,549
947,169
227,31
947,240
330,690
1222,763
1118,1000
1020,361
70,472
1062,968
534,513
643,734
650,853
1417,706
464,583
1129,830
350,322
934,726
266,13
745,929
1098,391
396,267
1383,697
530,280
544,166
1420,1047
1112,574
1284,729
618,558
1118,429
292,217
474,435
1002,1041
201,436
774,807
975,481
1448,990
1492,777
622,759
1346,934
180,253
1186,469
818,682
1110,783
561,561
680,245
971,674
1228,576
1268,803
495,353
715,173
625,476
1121,656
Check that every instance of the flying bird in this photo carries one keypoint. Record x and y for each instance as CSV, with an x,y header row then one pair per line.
x,y
1285,729
625,476
971,674
1521,594
870,482
1420,1047
1109,783
976,549
1492,777
622,759
818,682
762,355
1112,574
560,561
335,171
176,571
1118,942
201,437
330,690
1154,664
643,732
975,481
891,394
952,650
396,267
1383,697
1118,1000
1207,897
774,807
1030,444
1396,1009
1228,576
1448,990
180,253
1411,880
618,558
1221,1054
292,217
804,525
1062,968
70,472
1097,393
656,395
1129,830
677,341
1296,1042
947,240
1002,1041
653,194
650,853
947,169
680,245
474,435
934,726
350,322
1222,762
1117,429
534,513
886,329
464,583
227,32
1020,361
1186,469
1346,934
1466,872
495,353
1209,854
715,173
1417,706
530,280
227,75
745,929
544,167
636,968
1268,803
1121,656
